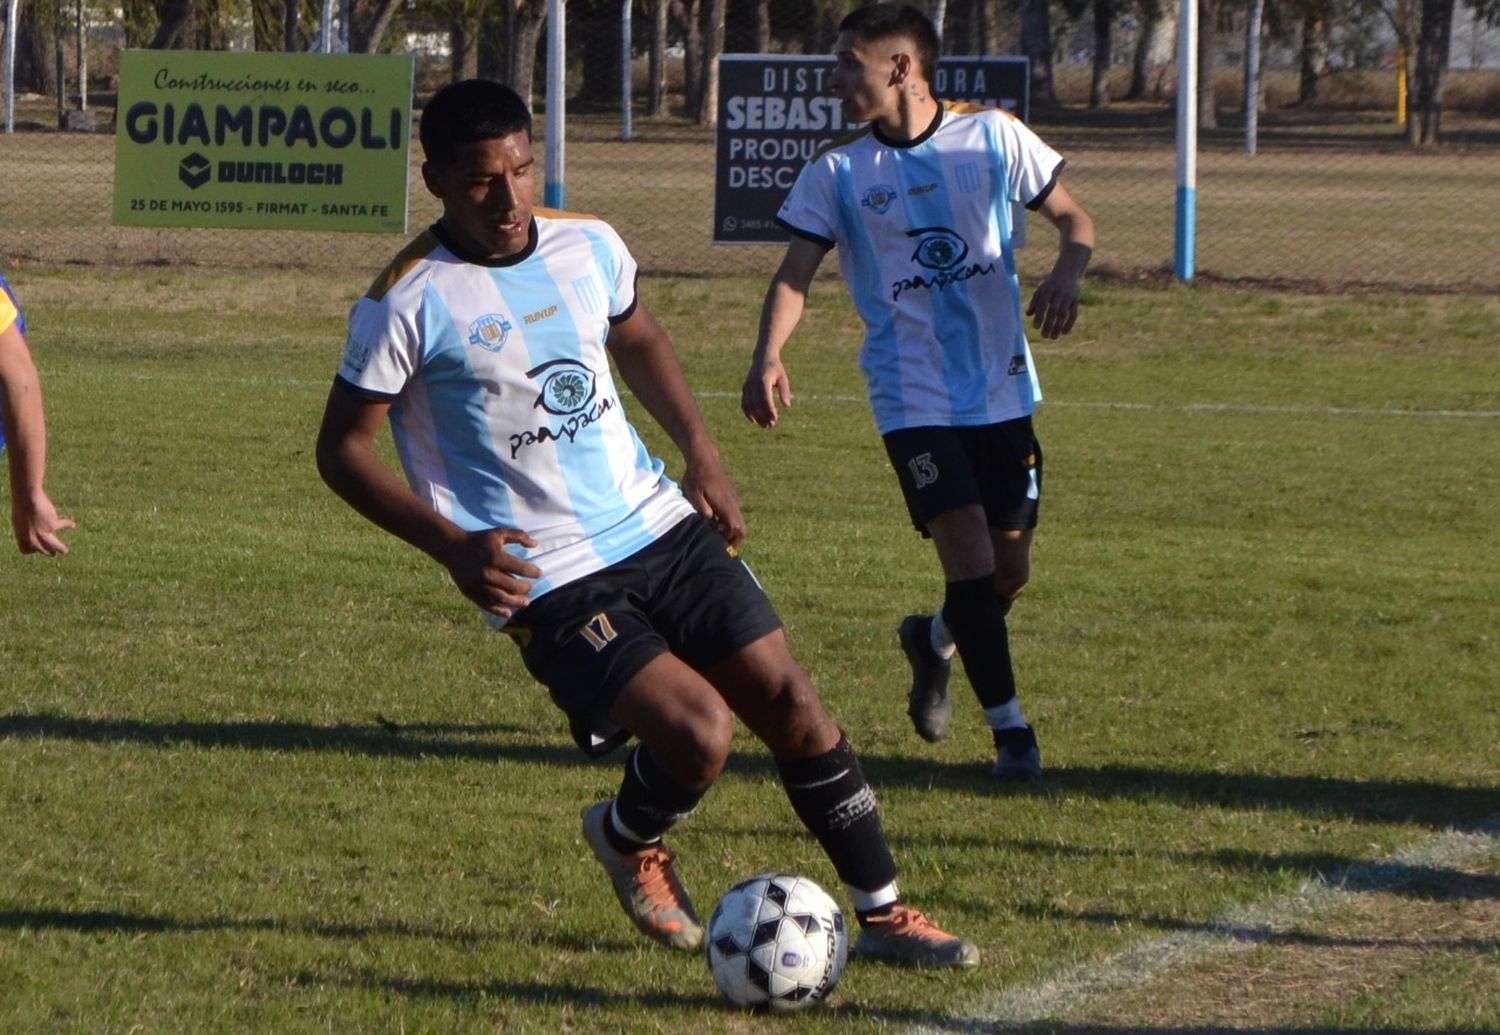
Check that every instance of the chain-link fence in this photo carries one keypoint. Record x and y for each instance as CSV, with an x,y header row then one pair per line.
x,y
1330,199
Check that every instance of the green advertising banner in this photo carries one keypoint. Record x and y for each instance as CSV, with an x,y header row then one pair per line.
x,y
267,141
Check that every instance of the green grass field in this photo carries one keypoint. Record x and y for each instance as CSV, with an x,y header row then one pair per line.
x,y
263,770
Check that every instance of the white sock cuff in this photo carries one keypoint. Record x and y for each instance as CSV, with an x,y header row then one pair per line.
x,y
870,901
940,637
1005,716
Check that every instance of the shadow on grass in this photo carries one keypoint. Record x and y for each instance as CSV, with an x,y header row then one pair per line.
x,y
111,921
381,739
1435,805
575,994
538,993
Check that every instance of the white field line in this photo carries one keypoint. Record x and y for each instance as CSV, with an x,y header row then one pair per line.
x,y
1198,407
1239,930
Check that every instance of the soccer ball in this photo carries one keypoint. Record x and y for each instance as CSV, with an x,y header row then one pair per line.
x,y
776,942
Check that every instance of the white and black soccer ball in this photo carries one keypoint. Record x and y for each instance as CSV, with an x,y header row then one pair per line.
x,y
776,942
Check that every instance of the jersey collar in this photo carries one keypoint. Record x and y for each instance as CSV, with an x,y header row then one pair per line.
x,y
937,120
441,233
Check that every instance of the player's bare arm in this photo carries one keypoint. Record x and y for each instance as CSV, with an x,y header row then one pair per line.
x,y
1054,305
649,366
478,562
767,381
34,518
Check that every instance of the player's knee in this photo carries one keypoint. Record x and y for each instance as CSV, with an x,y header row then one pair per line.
x,y
700,747
1008,584
798,719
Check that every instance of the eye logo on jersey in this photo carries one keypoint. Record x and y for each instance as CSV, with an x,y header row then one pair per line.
x,y
880,198
943,251
567,387
568,391
489,332
939,248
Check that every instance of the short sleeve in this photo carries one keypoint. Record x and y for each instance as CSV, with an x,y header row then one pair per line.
x,y
383,348
622,296
811,208
1031,167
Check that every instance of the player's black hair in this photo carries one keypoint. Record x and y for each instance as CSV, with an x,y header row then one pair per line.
x,y
465,112
875,22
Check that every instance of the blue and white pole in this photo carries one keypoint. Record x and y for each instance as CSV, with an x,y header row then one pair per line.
x,y
557,72
1187,141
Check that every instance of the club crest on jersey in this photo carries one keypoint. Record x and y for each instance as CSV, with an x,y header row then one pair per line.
x,y
489,332
880,198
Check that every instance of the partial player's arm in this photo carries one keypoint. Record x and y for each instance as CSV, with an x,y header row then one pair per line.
x,y
478,562
649,366
767,380
33,516
1054,305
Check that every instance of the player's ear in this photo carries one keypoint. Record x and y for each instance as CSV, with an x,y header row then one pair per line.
x,y
901,66
431,178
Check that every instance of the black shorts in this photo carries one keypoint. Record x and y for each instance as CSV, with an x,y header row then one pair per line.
x,y
685,593
998,466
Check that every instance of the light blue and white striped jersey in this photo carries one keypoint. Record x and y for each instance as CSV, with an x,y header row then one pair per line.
x,y
503,408
923,231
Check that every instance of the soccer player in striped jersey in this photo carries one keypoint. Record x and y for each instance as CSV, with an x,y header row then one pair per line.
x,y
486,344
918,205
33,517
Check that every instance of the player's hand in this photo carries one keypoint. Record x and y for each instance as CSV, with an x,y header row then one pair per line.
x,y
713,495
1054,306
489,574
36,523
766,382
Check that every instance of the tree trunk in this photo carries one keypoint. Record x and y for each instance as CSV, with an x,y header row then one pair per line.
x,y
762,26
463,43
598,38
291,39
1104,17
1036,44
1140,65
371,25
1208,24
656,100
525,20
176,25
713,45
1312,64
1424,125
689,13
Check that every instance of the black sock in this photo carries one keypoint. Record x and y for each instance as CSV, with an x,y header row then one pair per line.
x,y
830,796
976,618
649,802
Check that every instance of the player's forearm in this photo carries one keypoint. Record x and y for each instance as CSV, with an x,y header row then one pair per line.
x,y
1075,245
375,492
779,316
25,425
